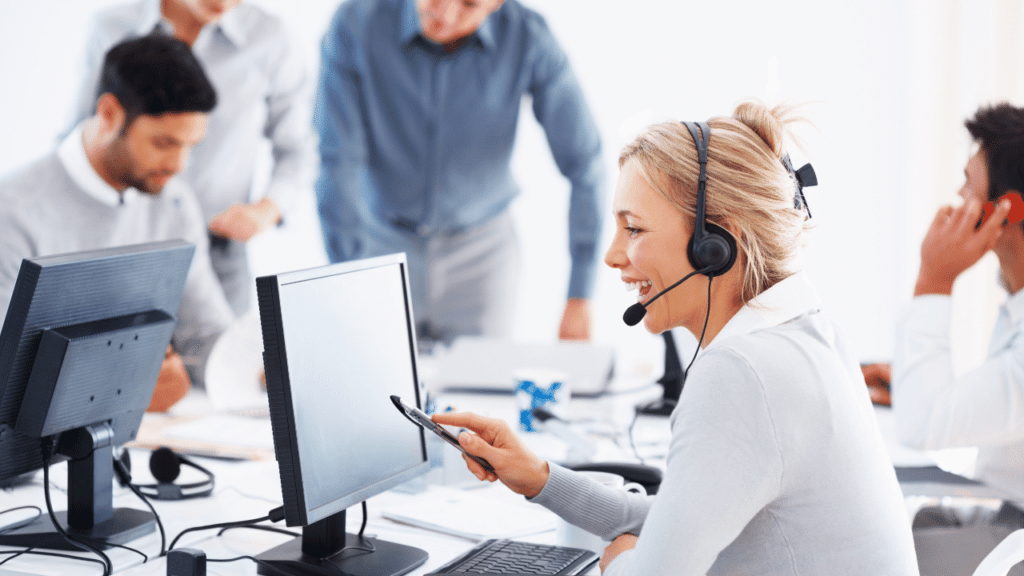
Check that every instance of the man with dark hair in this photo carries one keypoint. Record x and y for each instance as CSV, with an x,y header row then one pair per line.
x,y
984,407
110,183
264,87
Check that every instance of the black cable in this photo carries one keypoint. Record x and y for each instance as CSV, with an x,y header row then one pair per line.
x,y
17,553
362,528
159,524
254,559
39,512
264,528
14,554
707,315
108,566
213,526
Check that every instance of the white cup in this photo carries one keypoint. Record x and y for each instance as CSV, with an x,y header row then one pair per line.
x,y
575,537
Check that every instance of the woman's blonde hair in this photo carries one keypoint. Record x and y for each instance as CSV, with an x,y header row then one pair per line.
x,y
748,187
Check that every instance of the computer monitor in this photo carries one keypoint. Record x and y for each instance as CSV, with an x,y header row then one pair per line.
x,y
338,341
80,352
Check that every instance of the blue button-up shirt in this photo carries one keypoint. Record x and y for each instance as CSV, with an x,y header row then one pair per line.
x,y
412,137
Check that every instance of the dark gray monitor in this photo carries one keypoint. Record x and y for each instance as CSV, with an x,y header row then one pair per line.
x,y
80,352
338,342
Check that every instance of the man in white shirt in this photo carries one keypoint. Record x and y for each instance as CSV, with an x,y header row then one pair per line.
x,y
984,407
111,183
265,96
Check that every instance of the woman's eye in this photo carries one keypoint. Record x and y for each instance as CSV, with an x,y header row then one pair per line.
x,y
633,231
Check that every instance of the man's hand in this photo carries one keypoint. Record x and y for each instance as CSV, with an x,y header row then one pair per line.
x,y
953,245
618,546
575,320
878,376
243,221
171,385
514,464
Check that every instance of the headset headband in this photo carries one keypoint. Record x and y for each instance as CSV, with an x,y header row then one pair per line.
x,y
701,140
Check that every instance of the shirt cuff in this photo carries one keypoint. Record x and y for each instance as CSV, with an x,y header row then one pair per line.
x,y
927,314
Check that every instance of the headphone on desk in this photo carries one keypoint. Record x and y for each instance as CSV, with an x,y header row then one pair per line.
x,y
165,465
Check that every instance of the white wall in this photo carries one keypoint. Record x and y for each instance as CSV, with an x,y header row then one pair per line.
x,y
888,84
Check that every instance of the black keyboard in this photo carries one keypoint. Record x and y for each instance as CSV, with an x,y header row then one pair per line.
x,y
501,557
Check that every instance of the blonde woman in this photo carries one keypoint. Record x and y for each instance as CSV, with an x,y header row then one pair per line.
x,y
776,464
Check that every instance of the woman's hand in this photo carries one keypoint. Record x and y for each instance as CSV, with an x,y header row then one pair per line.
x,y
515,465
618,546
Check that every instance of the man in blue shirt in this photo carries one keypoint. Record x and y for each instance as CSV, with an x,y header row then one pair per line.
x,y
417,108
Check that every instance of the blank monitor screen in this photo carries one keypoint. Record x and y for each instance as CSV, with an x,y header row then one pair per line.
x,y
341,338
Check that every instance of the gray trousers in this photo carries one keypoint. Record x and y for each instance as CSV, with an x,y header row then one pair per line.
x,y
463,283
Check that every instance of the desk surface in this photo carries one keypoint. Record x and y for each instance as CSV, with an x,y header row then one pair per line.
x,y
249,489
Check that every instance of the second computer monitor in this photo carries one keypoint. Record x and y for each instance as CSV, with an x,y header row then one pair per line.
x,y
339,340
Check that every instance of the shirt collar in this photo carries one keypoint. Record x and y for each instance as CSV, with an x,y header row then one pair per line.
x,y
71,153
1014,307
786,300
232,25
409,27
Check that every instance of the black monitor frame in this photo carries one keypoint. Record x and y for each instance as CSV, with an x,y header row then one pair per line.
x,y
324,547
80,351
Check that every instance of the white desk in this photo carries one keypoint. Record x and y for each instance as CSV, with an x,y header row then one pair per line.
x,y
250,489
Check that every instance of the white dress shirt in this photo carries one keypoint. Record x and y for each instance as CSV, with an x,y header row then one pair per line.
x,y
984,407
263,92
776,463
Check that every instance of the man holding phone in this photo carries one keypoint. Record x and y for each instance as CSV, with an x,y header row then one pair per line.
x,y
984,407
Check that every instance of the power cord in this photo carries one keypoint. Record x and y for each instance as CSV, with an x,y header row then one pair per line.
x,y
126,478
16,553
275,515
39,512
47,449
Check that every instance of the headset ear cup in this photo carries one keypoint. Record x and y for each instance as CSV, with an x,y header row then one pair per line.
x,y
165,465
716,251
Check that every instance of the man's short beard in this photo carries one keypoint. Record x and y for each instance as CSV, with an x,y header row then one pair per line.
x,y
119,166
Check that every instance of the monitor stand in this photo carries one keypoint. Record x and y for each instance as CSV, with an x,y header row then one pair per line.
x,y
90,514
320,551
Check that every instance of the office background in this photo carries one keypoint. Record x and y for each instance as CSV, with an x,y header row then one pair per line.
x,y
888,84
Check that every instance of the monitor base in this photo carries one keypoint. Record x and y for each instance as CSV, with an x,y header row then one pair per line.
x,y
387,559
126,525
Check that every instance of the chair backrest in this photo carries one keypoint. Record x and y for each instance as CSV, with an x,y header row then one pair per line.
x,y
1006,555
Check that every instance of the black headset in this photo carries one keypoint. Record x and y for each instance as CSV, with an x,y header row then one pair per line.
x,y
165,466
712,249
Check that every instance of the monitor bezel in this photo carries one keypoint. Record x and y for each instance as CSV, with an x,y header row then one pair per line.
x,y
282,415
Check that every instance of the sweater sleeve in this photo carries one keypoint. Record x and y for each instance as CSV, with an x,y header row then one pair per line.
x,y
592,506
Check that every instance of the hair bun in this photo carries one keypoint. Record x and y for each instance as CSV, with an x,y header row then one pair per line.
x,y
767,123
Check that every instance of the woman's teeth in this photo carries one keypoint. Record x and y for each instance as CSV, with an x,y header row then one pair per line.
x,y
642,286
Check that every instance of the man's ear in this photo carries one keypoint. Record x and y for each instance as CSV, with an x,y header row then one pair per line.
x,y
111,114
